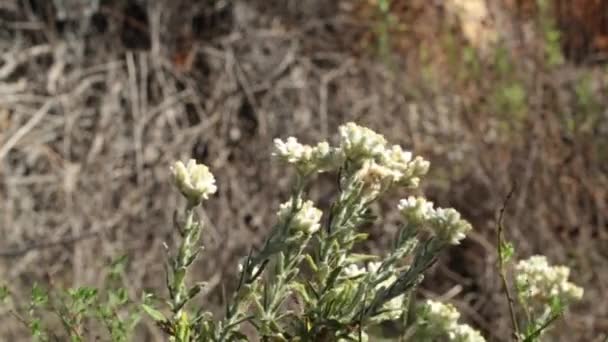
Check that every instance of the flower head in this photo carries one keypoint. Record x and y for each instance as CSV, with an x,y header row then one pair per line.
x,y
306,158
306,218
407,171
353,271
193,180
436,319
291,151
443,223
416,210
359,143
537,281
464,333
393,165
440,315
374,177
447,225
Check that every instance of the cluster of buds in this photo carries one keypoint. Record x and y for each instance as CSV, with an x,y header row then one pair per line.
x,y
446,224
308,159
441,320
378,166
360,143
193,180
353,271
538,282
304,217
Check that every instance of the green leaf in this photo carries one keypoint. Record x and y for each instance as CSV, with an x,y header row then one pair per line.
x,y
355,258
4,292
155,314
39,296
118,297
506,251
557,306
332,278
311,263
36,328
301,290
360,237
194,290
117,267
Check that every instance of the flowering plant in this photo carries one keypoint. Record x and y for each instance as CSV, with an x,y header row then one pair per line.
x,y
305,283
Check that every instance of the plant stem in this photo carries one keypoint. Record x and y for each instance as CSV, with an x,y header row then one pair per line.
x,y
501,266
190,233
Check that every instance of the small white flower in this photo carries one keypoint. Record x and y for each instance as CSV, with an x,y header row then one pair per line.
x,y
375,178
307,159
352,271
375,173
443,223
306,219
416,210
359,143
374,266
420,166
440,314
464,333
400,163
325,158
538,281
447,225
407,171
193,180
437,319
292,151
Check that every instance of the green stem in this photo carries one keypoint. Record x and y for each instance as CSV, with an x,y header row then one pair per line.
x,y
502,270
190,233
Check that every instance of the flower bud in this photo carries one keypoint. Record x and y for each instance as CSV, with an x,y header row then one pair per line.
x,y
447,225
416,210
306,217
308,159
193,180
538,282
359,143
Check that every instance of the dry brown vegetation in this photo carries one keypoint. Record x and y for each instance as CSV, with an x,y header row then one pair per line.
x,y
95,102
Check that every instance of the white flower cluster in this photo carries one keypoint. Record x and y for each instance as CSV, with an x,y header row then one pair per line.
x,y
193,180
439,319
307,158
538,281
359,142
306,218
464,333
444,223
416,210
377,163
353,271
407,171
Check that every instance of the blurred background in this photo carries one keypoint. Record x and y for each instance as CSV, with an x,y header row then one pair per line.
x,y
98,97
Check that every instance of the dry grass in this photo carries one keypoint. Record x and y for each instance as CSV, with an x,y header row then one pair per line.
x,y
92,110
